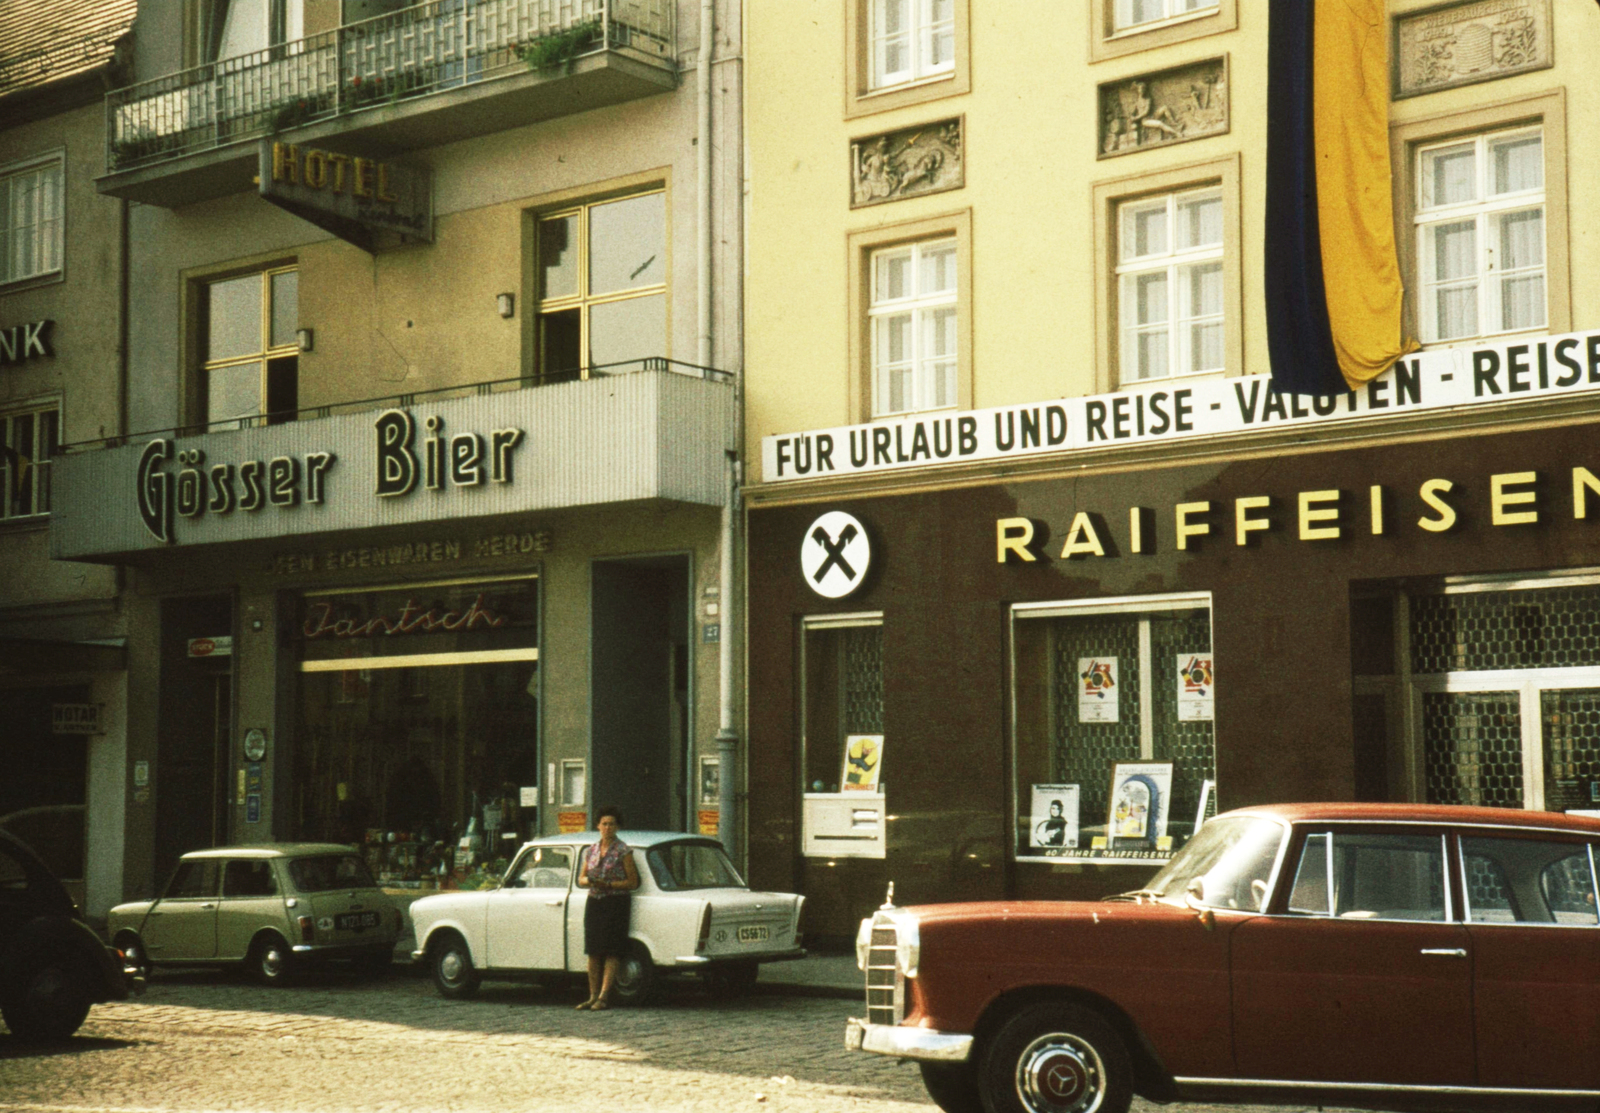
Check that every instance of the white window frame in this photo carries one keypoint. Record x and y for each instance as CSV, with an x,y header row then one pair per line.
x,y
1174,262
920,307
1171,10
34,477
919,34
45,258
1482,210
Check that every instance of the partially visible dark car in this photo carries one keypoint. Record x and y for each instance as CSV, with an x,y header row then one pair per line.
x,y
52,966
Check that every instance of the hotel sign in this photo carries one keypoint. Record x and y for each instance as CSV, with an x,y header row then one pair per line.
x,y
1175,410
357,199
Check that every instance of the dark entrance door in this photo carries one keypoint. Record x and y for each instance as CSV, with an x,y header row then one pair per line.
x,y
195,739
639,697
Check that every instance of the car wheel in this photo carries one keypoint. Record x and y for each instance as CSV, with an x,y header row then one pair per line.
x,y
49,1001
1056,1059
453,971
733,979
271,962
132,948
637,982
952,1086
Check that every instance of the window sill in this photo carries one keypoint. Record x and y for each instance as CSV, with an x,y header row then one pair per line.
x,y
31,523
885,98
1137,29
878,418
17,285
1536,333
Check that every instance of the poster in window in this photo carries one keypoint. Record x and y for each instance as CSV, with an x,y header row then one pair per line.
x,y
1196,688
1053,818
710,781
1097,690
863,761
1140,794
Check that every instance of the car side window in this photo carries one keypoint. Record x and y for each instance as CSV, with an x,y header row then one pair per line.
x,y
543,867
196,877
1388,877
1528,881
249,878
1370,876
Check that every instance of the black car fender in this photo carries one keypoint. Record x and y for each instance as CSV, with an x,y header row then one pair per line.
x,y
47,935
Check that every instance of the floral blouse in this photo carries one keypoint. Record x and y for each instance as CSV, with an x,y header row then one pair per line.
x,y
606,866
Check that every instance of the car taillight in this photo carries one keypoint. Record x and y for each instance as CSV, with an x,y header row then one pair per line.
x,y
705,930
306,926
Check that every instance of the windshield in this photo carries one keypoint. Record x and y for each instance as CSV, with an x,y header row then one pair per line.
x,y
1232,859
330,871
693,865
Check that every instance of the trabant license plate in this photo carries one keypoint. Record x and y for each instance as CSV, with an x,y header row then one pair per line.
x,y
355,921
754,933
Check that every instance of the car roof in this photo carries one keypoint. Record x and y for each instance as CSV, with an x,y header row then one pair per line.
x,y
640,839
1453,814
273,850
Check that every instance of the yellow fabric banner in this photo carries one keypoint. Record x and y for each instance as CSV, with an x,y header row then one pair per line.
x,y
1354,183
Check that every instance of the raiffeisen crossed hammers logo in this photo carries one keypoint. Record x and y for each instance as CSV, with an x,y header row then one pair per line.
x,y
835,554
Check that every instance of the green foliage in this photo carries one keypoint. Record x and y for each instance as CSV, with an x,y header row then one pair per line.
x,y
559,49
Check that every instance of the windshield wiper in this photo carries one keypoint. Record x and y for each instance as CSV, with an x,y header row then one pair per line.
x,y
1138,895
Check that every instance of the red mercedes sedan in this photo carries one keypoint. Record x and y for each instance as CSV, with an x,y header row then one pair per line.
x,y
1391,956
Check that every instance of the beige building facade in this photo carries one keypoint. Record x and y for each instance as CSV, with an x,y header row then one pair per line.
x,y
432,347
1087,554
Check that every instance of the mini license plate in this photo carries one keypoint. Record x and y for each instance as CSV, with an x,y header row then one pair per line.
x,y
754,933
355,921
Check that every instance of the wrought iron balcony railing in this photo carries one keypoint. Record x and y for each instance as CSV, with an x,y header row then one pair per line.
x,y
415,52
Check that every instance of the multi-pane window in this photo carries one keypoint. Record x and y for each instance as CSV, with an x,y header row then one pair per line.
x,y
252,364
30,221
238,27
914,322
1136,13
28,438
911,40
1170,285
602,284
1480,229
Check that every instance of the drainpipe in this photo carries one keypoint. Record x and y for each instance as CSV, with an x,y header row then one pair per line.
x,y
727,737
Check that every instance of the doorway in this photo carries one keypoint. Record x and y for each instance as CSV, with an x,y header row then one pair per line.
x,y
195,742
640,689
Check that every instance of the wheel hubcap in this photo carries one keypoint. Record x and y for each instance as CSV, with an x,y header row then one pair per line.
x,y
450,966
1060,1073
272,962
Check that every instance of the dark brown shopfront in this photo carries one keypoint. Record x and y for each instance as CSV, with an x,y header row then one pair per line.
x,y
1416,620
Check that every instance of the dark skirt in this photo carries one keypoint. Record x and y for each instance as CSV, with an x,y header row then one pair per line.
x,y
605,925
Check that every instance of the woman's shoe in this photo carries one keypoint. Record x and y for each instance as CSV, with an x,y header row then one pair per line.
x,y
600,1003
591,1003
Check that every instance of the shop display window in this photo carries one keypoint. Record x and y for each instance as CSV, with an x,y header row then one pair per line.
x,y
1113,729
418,727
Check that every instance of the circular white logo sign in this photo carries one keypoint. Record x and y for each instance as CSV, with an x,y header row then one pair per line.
x,y
835,555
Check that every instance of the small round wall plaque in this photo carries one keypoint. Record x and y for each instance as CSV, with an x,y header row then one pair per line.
x,y
255,743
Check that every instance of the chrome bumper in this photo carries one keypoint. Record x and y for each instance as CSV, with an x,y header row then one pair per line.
x,y
907,1043
691,961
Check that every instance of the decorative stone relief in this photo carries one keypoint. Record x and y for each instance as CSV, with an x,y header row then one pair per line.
x,y
1460,43
906,163
1171,106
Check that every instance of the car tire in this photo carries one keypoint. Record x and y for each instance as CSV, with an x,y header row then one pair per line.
x,y
49,1001
733,979
133,952
270,961
637,981
952,1086
453,972
1056,1058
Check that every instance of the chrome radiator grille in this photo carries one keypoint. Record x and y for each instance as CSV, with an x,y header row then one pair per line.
x,y
885,988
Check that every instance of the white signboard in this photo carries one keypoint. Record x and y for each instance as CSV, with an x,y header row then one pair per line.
x,y
1196,688
1512,371
1097,690
1053,818
835,555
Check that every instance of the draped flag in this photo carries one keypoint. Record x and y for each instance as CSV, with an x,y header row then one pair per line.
x,y
1333,284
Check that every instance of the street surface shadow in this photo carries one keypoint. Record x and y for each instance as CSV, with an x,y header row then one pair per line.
x,y
13,1048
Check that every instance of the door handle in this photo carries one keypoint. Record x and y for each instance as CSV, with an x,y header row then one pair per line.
x,y
1446,952
556,903
208,907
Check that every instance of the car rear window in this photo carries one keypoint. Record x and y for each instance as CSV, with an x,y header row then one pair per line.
x,y
693,865
330,871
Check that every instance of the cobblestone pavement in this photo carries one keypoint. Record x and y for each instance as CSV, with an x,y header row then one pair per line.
x,y
197,1043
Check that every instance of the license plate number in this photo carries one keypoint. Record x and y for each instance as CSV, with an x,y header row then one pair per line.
x,y
355,921
756,933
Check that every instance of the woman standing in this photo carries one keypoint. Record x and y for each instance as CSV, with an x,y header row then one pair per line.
x,y
610,876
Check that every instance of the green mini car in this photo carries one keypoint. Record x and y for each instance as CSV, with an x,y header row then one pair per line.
x,y
274,909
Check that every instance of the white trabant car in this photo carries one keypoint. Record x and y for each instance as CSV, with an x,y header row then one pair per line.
x,y
691,914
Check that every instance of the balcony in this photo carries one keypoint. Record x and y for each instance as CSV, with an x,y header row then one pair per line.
x,y
428,74
467,459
